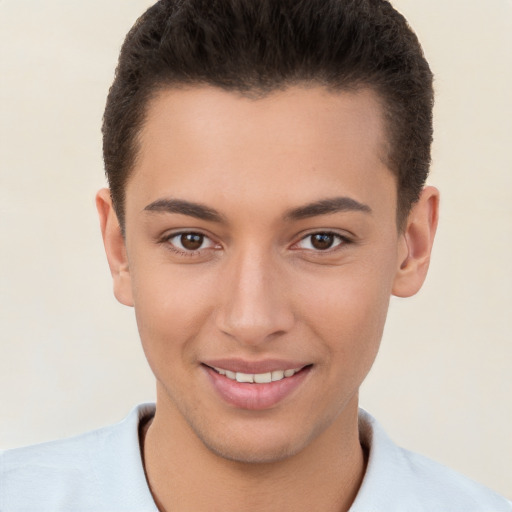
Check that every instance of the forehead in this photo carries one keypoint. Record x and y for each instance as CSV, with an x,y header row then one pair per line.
x,y
300,142
303,114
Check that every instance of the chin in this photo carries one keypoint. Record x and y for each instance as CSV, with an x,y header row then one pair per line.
x,y
251,452
256,445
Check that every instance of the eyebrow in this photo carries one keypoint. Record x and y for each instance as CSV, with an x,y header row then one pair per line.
x,y
200,211
326,207
197,210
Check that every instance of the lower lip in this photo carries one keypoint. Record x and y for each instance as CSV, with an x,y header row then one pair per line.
x,y
255,396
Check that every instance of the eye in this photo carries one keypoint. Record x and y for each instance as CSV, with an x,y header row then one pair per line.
x,y
322,241
190,242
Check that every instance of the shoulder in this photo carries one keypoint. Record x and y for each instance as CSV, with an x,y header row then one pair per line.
x,y
444,488
96,471
399,480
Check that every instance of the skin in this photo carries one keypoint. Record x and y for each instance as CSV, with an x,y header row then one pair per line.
x,y
258,288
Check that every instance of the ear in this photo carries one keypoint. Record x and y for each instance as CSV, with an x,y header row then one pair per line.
x,y
416,244
115,247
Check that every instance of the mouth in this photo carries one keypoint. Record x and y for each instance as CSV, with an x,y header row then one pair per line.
x,y
268,385
258,378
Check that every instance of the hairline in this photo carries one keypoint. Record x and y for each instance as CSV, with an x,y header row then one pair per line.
x,y
162,86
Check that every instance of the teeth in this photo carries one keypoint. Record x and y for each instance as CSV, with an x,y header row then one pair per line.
x,y
244,377
262,378
277,375
258,378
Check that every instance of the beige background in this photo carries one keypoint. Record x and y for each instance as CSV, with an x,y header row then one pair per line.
x,y
69,354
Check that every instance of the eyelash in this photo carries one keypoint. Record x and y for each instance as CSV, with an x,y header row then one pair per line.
x,y
186,252
338,243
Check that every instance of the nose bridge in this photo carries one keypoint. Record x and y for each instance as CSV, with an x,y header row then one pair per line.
x,y
254,306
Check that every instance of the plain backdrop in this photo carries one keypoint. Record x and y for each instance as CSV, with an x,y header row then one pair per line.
x,y
69,354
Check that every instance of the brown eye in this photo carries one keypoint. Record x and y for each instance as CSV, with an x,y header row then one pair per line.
x,y
191,241
322,241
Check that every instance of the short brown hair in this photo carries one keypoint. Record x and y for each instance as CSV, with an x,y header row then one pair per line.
x,y
257,46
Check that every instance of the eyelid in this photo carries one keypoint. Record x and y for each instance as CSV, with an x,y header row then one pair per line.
x,y
168,237
343,239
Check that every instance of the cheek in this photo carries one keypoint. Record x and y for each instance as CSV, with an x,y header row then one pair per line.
x,y
348,312
171,307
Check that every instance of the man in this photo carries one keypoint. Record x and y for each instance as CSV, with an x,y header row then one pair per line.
x,y
266,163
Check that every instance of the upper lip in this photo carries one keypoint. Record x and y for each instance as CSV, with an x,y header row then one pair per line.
x,y
253,367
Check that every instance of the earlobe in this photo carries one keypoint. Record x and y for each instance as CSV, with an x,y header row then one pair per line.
x,y
416,244
115,247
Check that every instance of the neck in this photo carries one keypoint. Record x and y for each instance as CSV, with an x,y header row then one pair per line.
x,y
184,475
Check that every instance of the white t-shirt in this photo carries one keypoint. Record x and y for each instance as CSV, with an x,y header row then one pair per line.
x,y
102,471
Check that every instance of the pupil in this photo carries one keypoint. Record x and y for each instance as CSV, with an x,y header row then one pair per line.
x,y
192,241
322,241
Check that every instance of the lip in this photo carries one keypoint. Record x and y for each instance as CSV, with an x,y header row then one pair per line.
x,y
255,396
265,366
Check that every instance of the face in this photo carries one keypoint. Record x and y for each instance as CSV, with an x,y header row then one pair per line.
x,y
261,250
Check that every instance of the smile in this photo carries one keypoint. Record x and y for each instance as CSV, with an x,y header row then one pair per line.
x,y
267,385
258,378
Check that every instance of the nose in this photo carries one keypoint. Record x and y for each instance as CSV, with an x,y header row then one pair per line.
x,y
253,306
